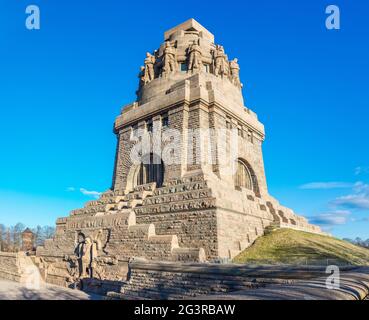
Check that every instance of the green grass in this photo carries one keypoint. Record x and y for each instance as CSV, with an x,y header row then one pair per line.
x,y
286,246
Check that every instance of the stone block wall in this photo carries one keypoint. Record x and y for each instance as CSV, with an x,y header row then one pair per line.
x,y
9,266
15,266
185,208
166,280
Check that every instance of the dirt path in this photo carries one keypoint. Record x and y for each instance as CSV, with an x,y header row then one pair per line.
x,y
16,291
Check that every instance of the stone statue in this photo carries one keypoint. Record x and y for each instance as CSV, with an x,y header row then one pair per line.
x,y
87,252
221,64
141,76
195,57
79,253
149,73
235,73
169,58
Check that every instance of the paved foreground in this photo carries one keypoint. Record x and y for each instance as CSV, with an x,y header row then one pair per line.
x,y
353,285
16,291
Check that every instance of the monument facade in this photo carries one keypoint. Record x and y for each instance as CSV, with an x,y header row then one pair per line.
x,y
189,182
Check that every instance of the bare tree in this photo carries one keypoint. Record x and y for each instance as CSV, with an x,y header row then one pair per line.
x,y
2,237
43,233
11,237
17,236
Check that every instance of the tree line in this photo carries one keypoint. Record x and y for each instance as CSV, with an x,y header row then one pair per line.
x,y
11,236
359,242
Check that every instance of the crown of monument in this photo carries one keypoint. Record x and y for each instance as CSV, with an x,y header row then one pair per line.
x,y
188,26
188,49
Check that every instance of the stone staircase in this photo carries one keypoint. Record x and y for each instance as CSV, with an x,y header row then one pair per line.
x,y
132,239
115,202
141,239
241,245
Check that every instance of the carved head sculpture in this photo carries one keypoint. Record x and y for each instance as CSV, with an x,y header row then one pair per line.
x,y
220,49
81,237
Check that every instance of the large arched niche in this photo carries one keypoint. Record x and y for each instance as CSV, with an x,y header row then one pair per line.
x,y
245,177
151,169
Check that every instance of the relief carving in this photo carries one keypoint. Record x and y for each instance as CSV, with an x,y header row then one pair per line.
x,y
87,250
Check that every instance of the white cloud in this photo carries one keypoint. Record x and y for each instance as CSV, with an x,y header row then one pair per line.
x,y
326,185
361,188
353,201
94,194
329,219
359,199
361,170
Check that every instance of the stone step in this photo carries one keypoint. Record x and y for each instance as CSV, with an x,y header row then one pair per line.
x,y
178,196
122,205
119,199
186,205
135,203
110,207
145,187
142,230
179,188
185,180
189,254
167,239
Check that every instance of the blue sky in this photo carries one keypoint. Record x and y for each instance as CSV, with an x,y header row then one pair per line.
x,y
61,88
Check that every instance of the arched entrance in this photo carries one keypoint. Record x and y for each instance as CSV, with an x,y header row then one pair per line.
x,y
245,177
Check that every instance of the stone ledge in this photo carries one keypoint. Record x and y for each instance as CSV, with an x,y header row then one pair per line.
x,y
282,272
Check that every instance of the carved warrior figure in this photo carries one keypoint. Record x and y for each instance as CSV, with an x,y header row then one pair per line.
x,y
195,57
235,73
149,73
169,58
221,64
87,252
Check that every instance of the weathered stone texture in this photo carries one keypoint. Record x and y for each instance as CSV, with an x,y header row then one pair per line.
x,y
153,280
14,266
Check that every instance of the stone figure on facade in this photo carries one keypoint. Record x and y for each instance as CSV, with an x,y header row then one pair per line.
x,y
169,58
141,76
235,73
149,73
221,64
87,252
78,251
195,57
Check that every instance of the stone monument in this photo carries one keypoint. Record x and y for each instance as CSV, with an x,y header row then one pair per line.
x,y
189,182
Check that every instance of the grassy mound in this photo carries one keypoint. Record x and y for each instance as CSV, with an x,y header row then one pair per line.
x,y
285,246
